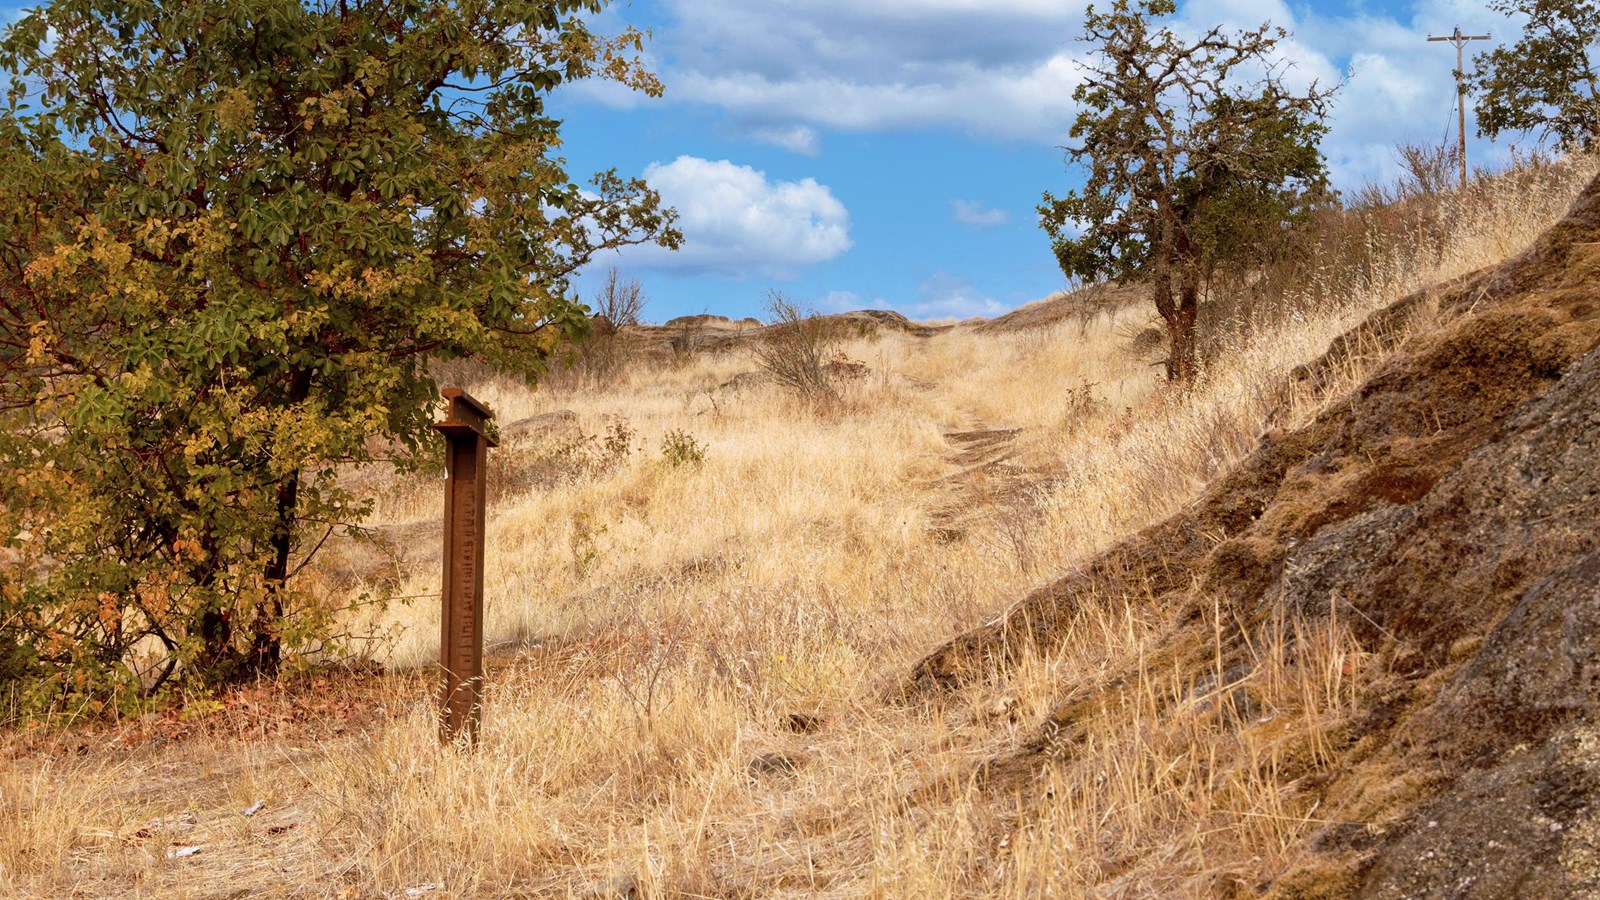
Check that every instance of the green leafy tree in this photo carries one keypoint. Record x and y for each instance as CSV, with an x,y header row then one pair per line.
x,y
1546,82
233,235
1196,153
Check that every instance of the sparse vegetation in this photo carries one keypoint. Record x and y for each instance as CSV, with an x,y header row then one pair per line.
x,y
692,700
564,455
969,609
585,544
618,305
1427,171
679,448
798,349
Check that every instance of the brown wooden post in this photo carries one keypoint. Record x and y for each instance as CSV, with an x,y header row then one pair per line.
x,y
461,631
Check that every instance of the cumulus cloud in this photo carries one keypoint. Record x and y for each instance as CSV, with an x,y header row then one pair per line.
x,y
737,223
1002,67
1031,102
971,212
1005,69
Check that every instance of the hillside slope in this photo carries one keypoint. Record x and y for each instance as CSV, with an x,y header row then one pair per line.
x,y
704,594
1446,516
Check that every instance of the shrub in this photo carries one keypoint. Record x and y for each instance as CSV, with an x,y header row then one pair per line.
x,y
679,448
617,308
798,347
233,237
581,456
585,544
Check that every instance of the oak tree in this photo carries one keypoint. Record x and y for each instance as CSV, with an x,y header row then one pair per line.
x,y
1546,83
234,234
1194,148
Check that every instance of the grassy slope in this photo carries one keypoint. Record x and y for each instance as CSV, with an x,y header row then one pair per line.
x,y
665,627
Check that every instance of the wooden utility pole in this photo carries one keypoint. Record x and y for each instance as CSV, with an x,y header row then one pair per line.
x,y
1460,40
465,428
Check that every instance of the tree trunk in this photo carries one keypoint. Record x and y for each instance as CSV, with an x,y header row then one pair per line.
x,y
217,660
216,651
266,639
1181,318
1179,306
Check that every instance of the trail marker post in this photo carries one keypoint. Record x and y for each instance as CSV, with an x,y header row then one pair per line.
x,y
465,428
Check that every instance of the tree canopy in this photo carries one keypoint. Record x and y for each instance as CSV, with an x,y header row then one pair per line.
x,y
233,235
1194,150
1546,83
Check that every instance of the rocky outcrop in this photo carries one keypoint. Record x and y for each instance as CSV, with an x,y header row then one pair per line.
x,y
1448,512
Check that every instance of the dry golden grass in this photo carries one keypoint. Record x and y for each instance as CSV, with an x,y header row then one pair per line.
x,y
688,693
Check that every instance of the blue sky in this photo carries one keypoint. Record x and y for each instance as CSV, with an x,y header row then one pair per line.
x,y
890,153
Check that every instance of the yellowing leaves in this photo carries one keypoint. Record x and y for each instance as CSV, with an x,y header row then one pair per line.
x,y
109,611
114,255
243,293
328,110
40,342
372,72
339,283
44,266
236,110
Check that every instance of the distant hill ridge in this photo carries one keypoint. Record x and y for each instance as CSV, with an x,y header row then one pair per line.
x,y
1052,310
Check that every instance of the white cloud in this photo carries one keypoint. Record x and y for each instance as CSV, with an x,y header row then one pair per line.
x,y
737,223
1397,88
800,139
1005,69
971,212
1002,67
947,296
845,301
941,296
1031,102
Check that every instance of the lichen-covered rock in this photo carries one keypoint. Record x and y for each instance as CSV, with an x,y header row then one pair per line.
x,y
1526,827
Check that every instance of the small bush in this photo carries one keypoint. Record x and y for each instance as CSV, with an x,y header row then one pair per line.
x,y
605,352
688,338
517,470
585,544
1427,170
798,347
679,448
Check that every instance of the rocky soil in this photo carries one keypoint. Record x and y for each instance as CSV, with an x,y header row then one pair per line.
x,y
1448,511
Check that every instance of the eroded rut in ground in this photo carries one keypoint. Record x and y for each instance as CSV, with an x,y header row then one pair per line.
x,y
990,486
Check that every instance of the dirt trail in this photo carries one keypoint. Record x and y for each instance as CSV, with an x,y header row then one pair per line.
x,y
989,481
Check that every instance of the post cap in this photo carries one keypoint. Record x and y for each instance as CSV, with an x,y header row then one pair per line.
x,y
465,416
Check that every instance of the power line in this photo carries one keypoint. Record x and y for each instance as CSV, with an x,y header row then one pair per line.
x,y
1460,40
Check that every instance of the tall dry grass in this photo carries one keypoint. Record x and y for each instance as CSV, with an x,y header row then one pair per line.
x,y
687,696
